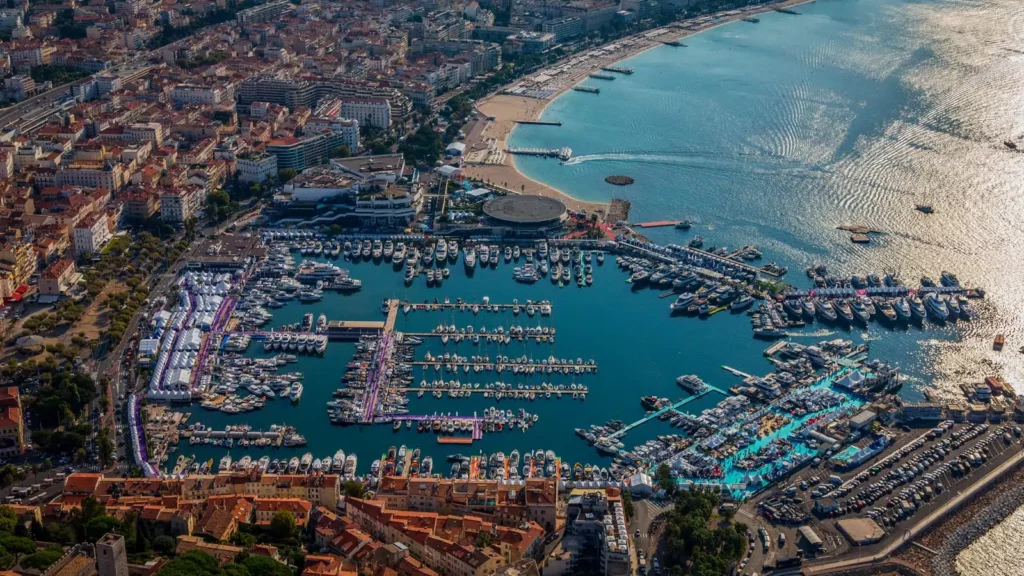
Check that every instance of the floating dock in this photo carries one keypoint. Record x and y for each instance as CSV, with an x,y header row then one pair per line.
x,y
587,89
463,440
618,69
671,407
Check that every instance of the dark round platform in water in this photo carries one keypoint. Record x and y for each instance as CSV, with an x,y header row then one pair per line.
x,y
519,209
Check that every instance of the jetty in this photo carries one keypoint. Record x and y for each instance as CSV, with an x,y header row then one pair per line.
x,y
538,122
543,306
618,69
587,89
603,76
658,223
562,154
670,408
583,368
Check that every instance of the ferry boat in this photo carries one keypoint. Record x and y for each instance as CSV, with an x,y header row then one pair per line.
x,y
691,383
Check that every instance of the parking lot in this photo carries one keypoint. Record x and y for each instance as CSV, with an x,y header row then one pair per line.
x,y
923,469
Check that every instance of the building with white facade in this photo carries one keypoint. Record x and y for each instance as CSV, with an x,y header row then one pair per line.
x,y
368,111
197,94
177,206
256,167
92,234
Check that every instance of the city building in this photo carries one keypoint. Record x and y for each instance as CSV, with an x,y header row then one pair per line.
x,y
58,278
256,167
564,28
91,234
198,94
368,111
111,556
595,518
180,204
12,426
305,152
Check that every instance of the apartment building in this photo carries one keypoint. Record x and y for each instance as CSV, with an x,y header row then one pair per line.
x,y
58,278
91,234
12,427
179,204
368,111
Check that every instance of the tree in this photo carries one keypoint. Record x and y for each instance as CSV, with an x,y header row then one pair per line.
x,y
8,519
164,545
665,480
106,447
192,564
341,152
482,540
100,525
17,545
43,559
354,489
287,174
282,526
627,502
263,566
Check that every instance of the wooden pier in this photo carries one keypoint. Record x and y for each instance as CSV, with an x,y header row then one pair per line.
x,y
389,324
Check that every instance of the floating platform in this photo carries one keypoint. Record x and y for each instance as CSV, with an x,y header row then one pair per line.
x,y
587,89
462,440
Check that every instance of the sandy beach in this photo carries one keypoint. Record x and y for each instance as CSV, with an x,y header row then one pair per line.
x,y
507,109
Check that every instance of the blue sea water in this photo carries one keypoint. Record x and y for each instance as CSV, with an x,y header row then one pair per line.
x,y
772,134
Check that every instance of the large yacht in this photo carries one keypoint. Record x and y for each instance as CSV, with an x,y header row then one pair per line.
x,y
692,383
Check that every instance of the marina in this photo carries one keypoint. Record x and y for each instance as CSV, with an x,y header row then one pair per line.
x,y
494,358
